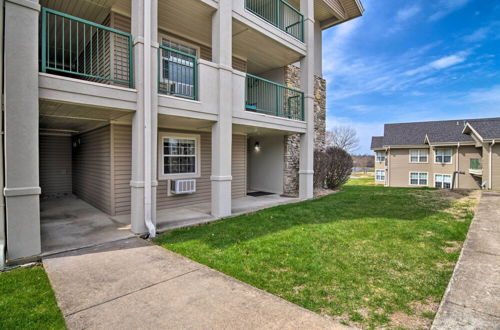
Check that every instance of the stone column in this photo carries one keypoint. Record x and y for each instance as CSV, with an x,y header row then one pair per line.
x,y
145,117
307,83
222,130
22,187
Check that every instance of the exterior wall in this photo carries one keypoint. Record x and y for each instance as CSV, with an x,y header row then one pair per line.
x,y
265,167
122,147
400,168
92,168
495,161
379,166
292,142
467,181
55,166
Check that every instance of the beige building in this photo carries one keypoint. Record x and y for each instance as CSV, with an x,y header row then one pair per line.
x,y
140,114
442,154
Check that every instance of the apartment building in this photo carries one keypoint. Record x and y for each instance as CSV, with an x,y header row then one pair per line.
x,y
442,154
134,112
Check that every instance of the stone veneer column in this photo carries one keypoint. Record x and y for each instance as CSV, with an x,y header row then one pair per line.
x,y
222,130
22,187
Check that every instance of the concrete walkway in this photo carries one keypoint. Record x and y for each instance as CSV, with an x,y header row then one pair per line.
x,y
133,284
472,300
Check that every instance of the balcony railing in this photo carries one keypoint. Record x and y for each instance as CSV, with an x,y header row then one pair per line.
x,y
268,97
279,13
177,73
73,47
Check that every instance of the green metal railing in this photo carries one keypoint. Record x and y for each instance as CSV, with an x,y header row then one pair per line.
x,y
279,13
475,164
177,73
74,47
271,98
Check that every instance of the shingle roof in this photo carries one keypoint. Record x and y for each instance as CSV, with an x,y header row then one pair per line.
x,y
377,142
403,134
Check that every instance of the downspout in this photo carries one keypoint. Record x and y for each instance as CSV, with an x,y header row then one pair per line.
x,y
388,166
490,169
147,119
2,200
457,167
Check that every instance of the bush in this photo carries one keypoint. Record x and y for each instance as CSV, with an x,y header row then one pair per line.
x,y
332,168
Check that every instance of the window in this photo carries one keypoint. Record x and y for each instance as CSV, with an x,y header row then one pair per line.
x,y
442,181
380,175
443,156
418,178
418,156
177,69
179,156
380,156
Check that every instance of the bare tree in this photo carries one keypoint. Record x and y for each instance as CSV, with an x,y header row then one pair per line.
x,y
344,137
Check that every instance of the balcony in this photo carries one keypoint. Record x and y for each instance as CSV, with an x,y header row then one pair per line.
x,y
267,97
475,167
279,13
77,48
177,75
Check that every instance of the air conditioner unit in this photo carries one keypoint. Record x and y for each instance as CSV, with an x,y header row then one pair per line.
x,y
185,186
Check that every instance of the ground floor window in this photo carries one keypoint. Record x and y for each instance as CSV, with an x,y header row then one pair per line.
x,y
179,156
380,175
442,181
418,178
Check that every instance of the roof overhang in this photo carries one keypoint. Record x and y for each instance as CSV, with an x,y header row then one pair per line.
x,y
468,129
341,11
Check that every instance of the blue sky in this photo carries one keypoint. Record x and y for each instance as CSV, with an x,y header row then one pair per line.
x,y
413,60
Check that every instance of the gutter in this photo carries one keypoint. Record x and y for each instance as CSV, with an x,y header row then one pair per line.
x,y
490,169
147,120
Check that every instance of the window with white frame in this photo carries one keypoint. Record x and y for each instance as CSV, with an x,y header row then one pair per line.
x,y
418,178
179,156
443,156
442,181
380,156
380,175
418,156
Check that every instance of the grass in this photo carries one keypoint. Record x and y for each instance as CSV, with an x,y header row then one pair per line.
x,y
27,300
368,256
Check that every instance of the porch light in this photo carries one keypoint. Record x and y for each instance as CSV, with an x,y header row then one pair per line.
x,y
257,146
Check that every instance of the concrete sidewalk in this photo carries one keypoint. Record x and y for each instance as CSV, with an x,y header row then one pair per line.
x,y
472,300
133,284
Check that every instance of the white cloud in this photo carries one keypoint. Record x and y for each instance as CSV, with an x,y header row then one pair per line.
x,y
407,13
478,35
445,7
441,63
485,95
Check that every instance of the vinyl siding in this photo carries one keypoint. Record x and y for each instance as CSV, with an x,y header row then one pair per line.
x,y
495,160
400,167
92,168
55,166
467,181
122,143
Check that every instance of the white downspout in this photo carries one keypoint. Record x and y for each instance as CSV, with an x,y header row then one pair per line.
x,y
147,119
2,200
490,169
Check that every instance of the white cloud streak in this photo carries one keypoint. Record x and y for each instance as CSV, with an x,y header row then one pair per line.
x,y
446,7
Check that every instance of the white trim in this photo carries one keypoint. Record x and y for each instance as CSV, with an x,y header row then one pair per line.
x,y
383,180
443,175
443,163
197,146
419,156
418,185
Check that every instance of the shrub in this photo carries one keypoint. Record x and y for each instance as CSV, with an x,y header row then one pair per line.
x,y
332,168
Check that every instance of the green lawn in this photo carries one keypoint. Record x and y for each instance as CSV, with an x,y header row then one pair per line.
x,y
27,301
368,256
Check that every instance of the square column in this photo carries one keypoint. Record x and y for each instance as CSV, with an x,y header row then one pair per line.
x,y
144,123
306,167
222,130
22,188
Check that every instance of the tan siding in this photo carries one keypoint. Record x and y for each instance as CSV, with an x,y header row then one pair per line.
x,y
92,168
239,64
239,166
400,168
495,160
55,166
122,168
467,181
119,59
122,172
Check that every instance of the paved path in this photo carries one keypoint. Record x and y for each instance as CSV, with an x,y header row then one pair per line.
x,y
472,300
133,284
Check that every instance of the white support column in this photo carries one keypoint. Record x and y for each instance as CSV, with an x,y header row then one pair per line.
x,y
306,172
22,188
144,124
222,130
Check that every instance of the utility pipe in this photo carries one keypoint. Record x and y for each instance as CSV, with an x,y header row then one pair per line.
x,y
147,119
490,170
